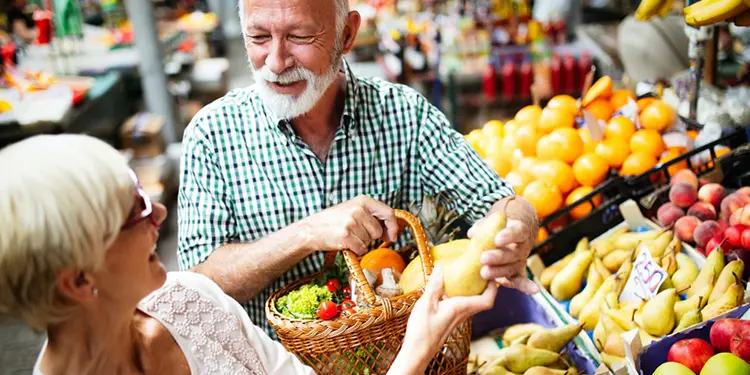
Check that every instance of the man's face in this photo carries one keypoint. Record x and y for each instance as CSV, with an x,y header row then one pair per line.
x,y
294,51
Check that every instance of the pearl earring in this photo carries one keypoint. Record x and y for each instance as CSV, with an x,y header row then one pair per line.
x,y
96,292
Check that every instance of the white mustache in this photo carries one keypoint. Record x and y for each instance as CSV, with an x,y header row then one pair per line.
x,y
286,77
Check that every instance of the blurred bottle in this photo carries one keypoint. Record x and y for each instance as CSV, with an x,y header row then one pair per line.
x,y
489,81
584,67
508,74
526,76
569,74
556,74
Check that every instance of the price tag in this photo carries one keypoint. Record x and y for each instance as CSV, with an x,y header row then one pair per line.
x,y
593,125
645,279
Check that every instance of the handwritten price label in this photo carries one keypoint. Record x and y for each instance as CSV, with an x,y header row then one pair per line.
x,y
645,279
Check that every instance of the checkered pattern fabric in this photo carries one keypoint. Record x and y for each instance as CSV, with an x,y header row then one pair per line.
x,y
245,174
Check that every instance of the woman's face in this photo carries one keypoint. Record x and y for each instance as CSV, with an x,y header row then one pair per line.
x,y
132,269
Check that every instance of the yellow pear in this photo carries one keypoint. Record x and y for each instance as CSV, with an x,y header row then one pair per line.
x,y
554,339
646,339
728,301
412,277
604,246
520,358
593,282
568,282
697,301
669,259
517,331
614,345
611,360
658,315
667,284
600,335
690,319
629,241
632,305
601,268
625,318
539,370
590,313
686,272
658,246
615,259
550,272
709,273
728,276
582,245
461,275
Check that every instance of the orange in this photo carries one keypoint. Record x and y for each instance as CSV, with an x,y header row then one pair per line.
x,y
601,89
528,164
515,159
556,173
493,128
584,208
638,163
692,134
494,146
590,169
475,141
589,145
526,138
601,109
614,151
545,148
569,145
620,98
545,197
555,118
378,259
519,180
647,140
672,153
529,115
658,116
499,164
511,127
643,103
565,102
620,127
541,235
720,151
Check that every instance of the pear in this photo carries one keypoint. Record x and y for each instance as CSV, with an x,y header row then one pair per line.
x,y
686,272
461,275
600,267
496,368
658,315
554,339
690,319
630,241
632,305
646,339
659,245
539,370
593,282
697,301
582,245
614,345
550,272
669,259
603,248
600,335
517,331
590,313
625,318
728,276
611,360
521,340
519,358
568,282
709,273
604,329
615,259
667,284
728,301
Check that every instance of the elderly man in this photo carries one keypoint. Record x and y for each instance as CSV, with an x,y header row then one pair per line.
x,y
312,159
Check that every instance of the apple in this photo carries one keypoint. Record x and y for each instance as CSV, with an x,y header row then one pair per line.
x,y
715,242
692,353
672,368
745,239
733,235
726,363
722,332
740,343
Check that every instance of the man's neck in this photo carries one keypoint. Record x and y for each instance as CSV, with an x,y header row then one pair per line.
x,y
90,344
317,128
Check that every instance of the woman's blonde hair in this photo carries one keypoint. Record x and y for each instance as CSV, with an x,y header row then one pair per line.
x,y
63,199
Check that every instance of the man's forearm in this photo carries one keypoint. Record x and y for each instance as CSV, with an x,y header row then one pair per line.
x,y
243,270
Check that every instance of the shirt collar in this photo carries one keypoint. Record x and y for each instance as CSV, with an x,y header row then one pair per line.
x,y
351,101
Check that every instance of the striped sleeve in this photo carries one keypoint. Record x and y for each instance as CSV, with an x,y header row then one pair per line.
x,y
205,220
450,166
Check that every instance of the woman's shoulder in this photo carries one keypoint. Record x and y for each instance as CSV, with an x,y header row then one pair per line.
x,y
182,288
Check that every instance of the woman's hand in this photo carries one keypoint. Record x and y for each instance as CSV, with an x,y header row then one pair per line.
x,y
432,320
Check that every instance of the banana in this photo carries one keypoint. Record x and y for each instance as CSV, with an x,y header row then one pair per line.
x,y
666,7
706,12
648,9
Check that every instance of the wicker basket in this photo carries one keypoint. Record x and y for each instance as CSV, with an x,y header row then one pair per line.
x,y
366,342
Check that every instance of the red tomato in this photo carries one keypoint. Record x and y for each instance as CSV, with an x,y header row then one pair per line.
x,y
346,304
348,312
347,292
333,285
327,310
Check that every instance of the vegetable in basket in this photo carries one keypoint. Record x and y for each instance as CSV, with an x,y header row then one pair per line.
x,y
304,302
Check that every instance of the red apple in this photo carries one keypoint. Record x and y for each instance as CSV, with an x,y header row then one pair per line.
x,y
722,332
691,353
745,239
740,343
733,235
715,242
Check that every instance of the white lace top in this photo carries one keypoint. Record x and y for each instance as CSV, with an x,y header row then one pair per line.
x,y
213,330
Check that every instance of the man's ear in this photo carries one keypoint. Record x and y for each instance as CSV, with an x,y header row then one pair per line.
x,y
76,285
353,22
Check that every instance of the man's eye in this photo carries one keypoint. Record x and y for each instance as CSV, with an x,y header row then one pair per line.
x,y
301,39
259,38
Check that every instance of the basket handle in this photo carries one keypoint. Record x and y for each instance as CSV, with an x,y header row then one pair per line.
x,y
352,261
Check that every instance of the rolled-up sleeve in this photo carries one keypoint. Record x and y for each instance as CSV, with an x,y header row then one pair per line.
x,y
205,219
449,166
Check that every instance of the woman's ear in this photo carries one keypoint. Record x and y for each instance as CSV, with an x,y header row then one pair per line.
x,y
76,285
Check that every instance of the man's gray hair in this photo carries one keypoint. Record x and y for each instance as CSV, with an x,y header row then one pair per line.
x,y
342,11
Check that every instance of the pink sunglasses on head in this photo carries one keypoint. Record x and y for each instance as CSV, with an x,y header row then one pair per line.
x,y
147,210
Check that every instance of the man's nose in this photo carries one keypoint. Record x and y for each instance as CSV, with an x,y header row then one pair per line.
x,y
278,59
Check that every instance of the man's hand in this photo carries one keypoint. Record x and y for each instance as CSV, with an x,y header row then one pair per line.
x,y
507,264
351,225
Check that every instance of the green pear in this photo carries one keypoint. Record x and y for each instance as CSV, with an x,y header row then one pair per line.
x,y
599,265
673,368
593,282
461,275
728,301
697,301
495,368
554,339
590,313
517,331
568,282
659,245
519,358
550,272
630,241
709,273
658,315
615,259
686,272
521,340
690,319
725,363
728,276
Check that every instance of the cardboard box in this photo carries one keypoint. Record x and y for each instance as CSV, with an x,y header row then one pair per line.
x,y
142,134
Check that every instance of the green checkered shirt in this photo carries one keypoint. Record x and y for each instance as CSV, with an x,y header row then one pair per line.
x,y
245,174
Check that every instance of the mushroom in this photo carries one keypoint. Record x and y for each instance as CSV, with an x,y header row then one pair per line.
x,y
389,288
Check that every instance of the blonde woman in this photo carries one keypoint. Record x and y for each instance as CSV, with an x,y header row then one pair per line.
x,y
78,261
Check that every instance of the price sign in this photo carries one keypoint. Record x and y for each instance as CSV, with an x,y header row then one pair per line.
x,y
645,279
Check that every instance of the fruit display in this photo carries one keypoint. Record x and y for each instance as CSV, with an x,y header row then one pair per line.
x,y
648,9
728,351
706,13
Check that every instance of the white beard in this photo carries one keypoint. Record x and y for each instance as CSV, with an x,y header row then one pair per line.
x,y
288,107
